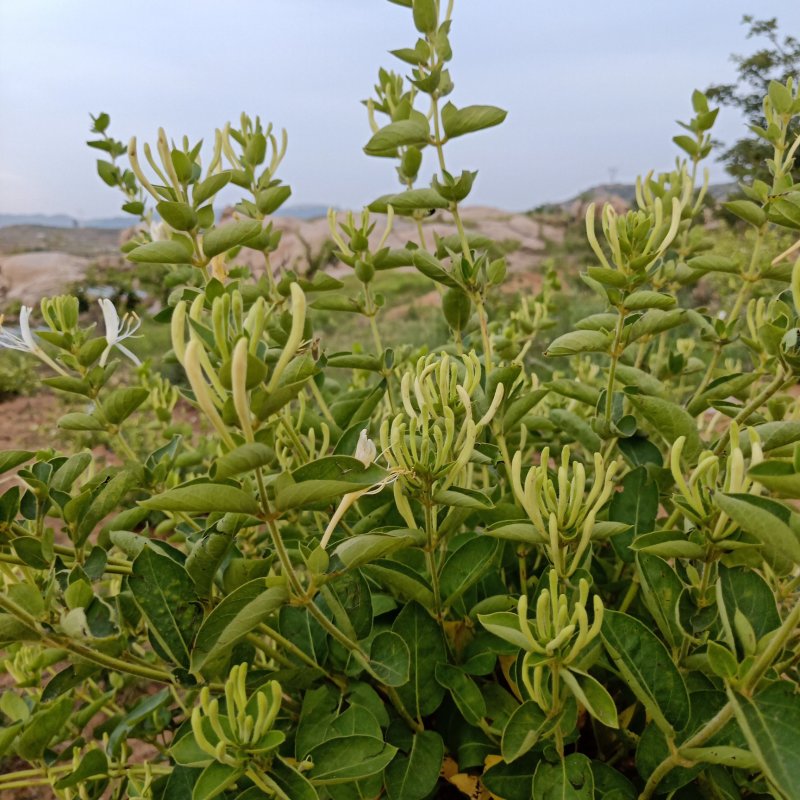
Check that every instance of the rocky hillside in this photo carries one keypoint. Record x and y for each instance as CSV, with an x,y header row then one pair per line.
x,y
37,261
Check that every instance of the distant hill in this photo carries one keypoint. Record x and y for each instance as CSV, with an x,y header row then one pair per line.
x,y
64,221
627,193
309,211
47,220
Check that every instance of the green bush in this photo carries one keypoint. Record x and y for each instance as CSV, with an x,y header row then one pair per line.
x,y
522,564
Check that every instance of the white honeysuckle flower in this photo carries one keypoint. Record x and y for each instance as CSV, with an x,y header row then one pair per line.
x,y
25,340
365,449
117,330
159,231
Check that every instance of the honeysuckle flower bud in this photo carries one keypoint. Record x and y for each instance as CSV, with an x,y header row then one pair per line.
x,y
117,330
239,387
178,330
194,372
295,334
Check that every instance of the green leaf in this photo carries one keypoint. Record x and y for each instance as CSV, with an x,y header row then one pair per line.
x,y
271,199
505,625
770,722
464,692
367,547
638,301
417,199
221,239
655,321
459,497
165,252
42,727
164,593
422,695
636,505
105,501
569,344
242,459
647,668
326,479
401,579
231,620
203,498
746,591
426,17
121,403
747,210
210,186
288,780
777,476
592,696
610,784
525,727
77,421
141,710
349,758
713,263
570,778
466,566
215,779
661,591
458,121
396,134
93,765
511,781
389,659
667,544
414,777
670,421
13,458
180,216
756,517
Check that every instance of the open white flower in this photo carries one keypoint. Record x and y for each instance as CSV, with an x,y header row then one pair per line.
x,y
25,340
365,449
117,330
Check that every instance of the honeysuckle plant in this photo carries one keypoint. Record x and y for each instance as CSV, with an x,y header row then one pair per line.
x,y
511,563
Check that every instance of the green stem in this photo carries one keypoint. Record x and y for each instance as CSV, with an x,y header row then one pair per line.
x,y
726,713
430,558
484,322
299,654
714,725
709,373
780,378
363,659
277,539
612,370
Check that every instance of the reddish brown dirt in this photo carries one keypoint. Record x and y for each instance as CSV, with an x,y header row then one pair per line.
x,y
29,423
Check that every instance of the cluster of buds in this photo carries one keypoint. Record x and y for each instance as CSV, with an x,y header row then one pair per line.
x,y
563,514
352,240
768,323
433,438
554,641
245,730
638,238
695,494
237,341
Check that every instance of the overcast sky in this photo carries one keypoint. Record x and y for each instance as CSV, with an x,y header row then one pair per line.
x,y
592,88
